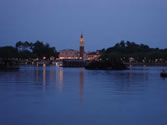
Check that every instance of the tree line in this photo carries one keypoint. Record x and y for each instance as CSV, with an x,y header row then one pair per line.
x,y
140,52
122,50
26,50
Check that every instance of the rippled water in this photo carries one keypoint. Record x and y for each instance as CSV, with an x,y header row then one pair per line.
x,y
74,96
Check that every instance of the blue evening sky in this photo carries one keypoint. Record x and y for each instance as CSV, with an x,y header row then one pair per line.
x,y
103,22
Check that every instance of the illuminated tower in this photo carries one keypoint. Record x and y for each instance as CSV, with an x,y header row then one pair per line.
x,y
81,47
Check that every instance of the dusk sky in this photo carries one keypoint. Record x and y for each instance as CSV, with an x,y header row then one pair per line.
x,y
103,22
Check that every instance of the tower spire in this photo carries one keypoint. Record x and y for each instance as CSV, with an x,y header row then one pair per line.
x,y
81,34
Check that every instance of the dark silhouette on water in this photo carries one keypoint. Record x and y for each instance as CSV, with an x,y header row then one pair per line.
x,y
8,64
163,73
107,63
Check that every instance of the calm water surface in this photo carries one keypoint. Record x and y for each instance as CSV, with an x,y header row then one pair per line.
x,y
74,96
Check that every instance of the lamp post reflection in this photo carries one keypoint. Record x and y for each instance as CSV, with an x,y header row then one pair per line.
x,y
59,78
51,74
44,76
81,84
37,72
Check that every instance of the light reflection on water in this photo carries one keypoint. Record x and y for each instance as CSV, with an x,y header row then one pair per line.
x,y
59,78
81,84
55,95
44,76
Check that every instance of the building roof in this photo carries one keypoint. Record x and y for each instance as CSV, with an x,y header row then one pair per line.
x,y
68,50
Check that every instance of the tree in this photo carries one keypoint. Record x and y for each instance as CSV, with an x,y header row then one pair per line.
x,y
40,50
8,52
19,45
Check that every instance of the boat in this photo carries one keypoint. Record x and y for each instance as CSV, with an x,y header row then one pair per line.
x,y
163,73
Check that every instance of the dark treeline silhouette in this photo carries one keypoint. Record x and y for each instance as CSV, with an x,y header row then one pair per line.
x,y
26,50
8,52
123,50
139,52
104,63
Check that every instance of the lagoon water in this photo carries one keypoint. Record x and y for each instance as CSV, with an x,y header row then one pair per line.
x,y
50,95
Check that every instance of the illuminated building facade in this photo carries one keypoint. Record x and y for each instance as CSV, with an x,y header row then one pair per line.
x,y
92,55
68,54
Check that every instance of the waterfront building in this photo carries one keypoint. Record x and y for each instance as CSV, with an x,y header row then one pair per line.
x,y
68,54
92,55
72,55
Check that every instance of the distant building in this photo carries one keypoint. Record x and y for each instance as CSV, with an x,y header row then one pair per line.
x,y
75,54
68,54
92,55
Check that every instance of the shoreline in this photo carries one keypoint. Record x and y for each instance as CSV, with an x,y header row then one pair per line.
x,y
145,64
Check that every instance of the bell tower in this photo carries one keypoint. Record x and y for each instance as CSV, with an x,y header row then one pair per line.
x,y
82,47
